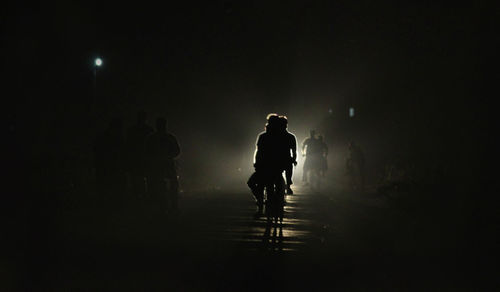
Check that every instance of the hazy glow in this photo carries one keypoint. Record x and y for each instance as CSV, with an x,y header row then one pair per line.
x,y
351,112
98,62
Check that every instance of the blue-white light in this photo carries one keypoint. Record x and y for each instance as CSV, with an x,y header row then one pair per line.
x,y
98,62
351,112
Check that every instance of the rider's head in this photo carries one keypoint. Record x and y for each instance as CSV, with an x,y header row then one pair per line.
x,y
161,124
271,115
283,122
273,121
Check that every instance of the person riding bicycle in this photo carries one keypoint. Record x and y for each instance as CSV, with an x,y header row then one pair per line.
x,y
323,167
355,166
291,147
271,158
313,151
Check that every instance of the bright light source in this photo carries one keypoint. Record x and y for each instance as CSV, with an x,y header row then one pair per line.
x,y
330,111
351,112
98,62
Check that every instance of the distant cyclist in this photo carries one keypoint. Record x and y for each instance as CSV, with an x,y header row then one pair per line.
x,y
312,150
323,164
355,165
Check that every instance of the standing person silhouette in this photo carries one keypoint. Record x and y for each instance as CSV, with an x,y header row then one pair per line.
x,y
161,149
136,140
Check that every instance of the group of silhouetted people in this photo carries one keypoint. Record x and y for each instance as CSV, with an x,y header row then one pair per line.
x,y
277,153
145,158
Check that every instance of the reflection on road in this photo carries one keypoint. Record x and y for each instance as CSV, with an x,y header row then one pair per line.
x,y
241,227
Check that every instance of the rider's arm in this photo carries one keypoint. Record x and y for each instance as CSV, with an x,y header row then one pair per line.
x,y
258,154
304,144
176,149
294,148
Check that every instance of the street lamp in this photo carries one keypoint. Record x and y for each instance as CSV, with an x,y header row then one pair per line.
x,y
98,62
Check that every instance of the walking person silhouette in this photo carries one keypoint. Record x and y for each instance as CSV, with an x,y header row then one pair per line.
x,y
136,142
162,148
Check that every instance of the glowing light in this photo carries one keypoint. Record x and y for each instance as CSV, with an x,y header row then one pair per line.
x,y
351,112
98,62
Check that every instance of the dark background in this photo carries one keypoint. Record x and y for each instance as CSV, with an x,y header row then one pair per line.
x,y
411,71
414,72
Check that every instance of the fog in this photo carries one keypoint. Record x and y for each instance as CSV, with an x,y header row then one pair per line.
x,y
410,73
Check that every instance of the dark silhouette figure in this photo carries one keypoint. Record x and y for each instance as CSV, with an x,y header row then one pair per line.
x,y
109,152
161,150
256,180
311,149
136,140
355,166
271,159
323,167
291,144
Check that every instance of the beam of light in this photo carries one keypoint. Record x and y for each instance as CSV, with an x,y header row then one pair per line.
x,y
98,62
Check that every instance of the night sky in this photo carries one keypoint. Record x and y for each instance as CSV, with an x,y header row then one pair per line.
x,y
411,71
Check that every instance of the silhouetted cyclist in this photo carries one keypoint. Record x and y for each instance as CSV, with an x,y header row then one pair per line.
x,y
311,149
271,158
323,166
355,165
256,180
290,142
161,149
136,140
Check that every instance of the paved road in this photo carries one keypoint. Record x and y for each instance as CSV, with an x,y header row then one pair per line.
x,y
329,240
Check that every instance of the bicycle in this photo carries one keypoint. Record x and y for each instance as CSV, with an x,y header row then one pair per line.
x,y
314,179
275,196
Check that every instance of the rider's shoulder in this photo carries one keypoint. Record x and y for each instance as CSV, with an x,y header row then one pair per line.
x,y
261,136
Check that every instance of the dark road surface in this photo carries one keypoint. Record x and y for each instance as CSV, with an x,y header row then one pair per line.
x,y
330,240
